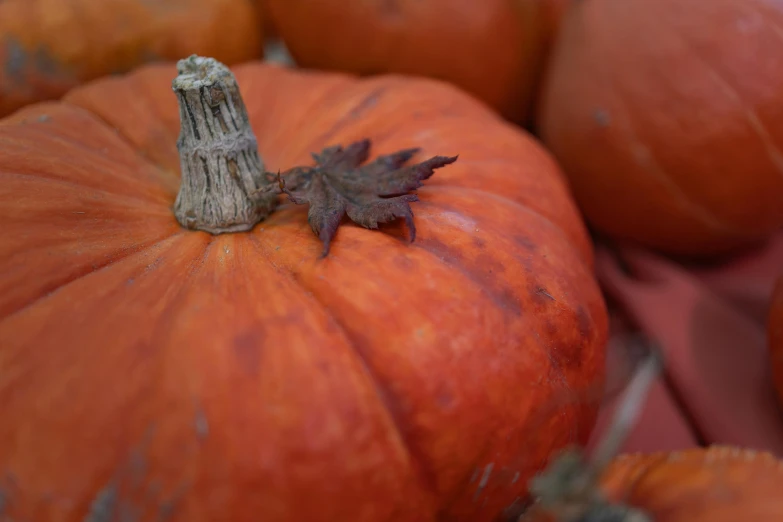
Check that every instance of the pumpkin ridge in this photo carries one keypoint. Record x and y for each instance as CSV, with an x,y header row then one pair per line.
x,y
159,206
75,143
323,100
81,97
195,266
172,176
355,112
418,458
121,255
567,239
426,475
563,385
383,83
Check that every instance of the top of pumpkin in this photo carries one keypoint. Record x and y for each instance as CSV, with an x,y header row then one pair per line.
x,y
224,187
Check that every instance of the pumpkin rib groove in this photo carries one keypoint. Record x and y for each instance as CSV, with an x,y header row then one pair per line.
x,y
417,462
476,278
372,97
326,96
416,457
354,113
45,294
120,134
517,206
471,276
70,139
422,471
123,177
563,384
73,141
425,475
71,99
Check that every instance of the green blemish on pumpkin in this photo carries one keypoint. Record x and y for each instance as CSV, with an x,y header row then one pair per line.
x,y
14,63
18,59
104,505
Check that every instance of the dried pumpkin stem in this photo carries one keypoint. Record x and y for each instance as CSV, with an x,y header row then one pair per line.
x,y
222,171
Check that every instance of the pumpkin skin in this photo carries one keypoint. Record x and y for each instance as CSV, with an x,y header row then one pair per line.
x,y
775,335
716,484
223,377
670,132
49,46
270,31
494,49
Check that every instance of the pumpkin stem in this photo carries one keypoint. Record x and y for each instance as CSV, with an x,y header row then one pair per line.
x,y
222,172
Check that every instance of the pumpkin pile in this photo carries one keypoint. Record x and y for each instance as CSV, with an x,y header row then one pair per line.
x,y
355,288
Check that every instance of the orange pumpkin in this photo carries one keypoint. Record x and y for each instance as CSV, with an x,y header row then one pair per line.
x,y
269,29
494,49
775,333
148,370
50,46
719,484
666,116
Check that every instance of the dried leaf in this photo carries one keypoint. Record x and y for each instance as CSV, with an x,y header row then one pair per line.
x,y
370,194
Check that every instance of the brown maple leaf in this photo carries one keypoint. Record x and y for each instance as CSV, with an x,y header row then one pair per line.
x,y
371,194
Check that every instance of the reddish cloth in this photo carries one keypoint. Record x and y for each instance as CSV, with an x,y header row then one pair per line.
x,y
710,322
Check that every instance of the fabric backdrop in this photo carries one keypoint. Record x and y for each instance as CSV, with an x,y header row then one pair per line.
x,y
710,323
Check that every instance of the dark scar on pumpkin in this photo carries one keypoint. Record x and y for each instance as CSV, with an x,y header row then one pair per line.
x,y
338,185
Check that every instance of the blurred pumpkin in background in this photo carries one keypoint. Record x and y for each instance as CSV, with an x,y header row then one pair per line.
x,y
775,334
667,116
50,46
494,49
715,484
151,370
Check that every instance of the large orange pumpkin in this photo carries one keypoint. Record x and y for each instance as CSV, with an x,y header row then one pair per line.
x,y
775,335
715,484
50,46
494,49
667,116
148,370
